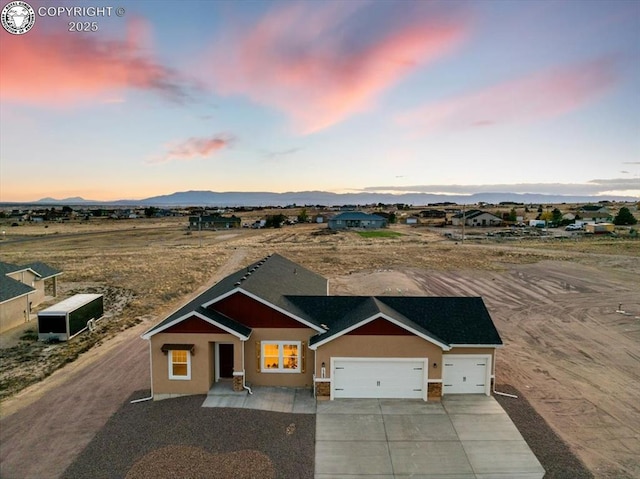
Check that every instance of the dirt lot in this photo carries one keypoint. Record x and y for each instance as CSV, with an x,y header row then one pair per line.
x,y
554,302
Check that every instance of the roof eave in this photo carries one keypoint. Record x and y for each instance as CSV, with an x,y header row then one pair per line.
x,y
444,346
151,332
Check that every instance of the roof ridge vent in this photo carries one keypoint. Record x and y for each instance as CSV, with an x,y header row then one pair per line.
x,y
237,283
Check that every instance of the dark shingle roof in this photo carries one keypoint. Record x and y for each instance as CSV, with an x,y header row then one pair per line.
x,y
44,270
450,320
6,268
270,279
445,320
11,288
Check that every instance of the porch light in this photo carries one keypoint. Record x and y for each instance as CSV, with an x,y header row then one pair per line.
x,y
435,365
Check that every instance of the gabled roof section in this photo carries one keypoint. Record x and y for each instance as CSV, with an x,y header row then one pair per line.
x,y
473,213
212,317
43,270
348,313
457,320
443,321
11,288
268,279
277,276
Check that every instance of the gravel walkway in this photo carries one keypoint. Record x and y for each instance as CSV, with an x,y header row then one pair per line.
x,y
179,438
552,452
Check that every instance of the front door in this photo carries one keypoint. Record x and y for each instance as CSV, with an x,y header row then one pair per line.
x,y
225,360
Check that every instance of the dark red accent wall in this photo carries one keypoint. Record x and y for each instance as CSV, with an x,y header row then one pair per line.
x,y
380,327
254,314
194,325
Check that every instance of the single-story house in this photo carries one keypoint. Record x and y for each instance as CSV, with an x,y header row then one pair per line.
x,y
433,214
274,323
476,218
212,222
22,288
356,219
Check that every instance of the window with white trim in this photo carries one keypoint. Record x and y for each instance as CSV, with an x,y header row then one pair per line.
x,y
280,356
179,364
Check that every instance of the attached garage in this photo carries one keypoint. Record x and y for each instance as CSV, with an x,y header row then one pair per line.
x,y
466,374
402,378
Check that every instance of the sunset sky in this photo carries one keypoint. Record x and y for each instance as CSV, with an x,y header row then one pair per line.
x,y
402,96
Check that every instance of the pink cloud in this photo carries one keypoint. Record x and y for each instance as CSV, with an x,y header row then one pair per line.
x,y
320,64
64,69
194,148
547,94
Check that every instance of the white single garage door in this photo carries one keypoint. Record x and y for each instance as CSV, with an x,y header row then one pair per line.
x,y
379,378
465,375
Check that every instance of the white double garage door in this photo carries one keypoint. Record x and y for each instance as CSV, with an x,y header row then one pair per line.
x,y
406,378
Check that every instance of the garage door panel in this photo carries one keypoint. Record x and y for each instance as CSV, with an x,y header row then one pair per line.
x,y
378,379
465,375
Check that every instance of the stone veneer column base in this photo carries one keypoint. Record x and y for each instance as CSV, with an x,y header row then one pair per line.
x,y
237,383
323,390
434,391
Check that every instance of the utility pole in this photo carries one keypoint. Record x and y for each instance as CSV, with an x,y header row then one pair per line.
x,y
464,221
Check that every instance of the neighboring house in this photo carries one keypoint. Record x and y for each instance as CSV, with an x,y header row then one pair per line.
x,y
212,222
594,214
21,289
476,218
356,219
274,324
433,214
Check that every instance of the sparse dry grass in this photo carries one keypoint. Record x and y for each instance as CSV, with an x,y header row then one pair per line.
x,y
148,267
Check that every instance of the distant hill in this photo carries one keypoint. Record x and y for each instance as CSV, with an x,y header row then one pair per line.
x,y
72,200
265,198
232,198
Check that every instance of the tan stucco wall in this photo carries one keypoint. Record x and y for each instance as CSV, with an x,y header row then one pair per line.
x,y
380,346
30,279
252,367
12,313
202,362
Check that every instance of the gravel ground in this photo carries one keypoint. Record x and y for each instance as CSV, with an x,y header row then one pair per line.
x,y
139,442
179,438
552,452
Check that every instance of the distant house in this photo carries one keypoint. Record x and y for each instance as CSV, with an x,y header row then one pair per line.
x,y
356,219
476,218
433,214
22,288
594,214
213,222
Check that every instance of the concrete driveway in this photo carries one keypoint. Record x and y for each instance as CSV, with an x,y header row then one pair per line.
x,y
463,437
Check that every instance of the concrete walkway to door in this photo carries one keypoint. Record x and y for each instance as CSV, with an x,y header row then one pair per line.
x,y
463,437
300,401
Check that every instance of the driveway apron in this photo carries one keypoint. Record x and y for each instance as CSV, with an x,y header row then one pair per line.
x,y
462,437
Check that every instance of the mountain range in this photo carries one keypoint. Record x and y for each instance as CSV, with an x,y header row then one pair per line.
x,y
238,198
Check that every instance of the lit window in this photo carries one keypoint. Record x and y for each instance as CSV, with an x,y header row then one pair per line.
x,y
281,356
179,364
